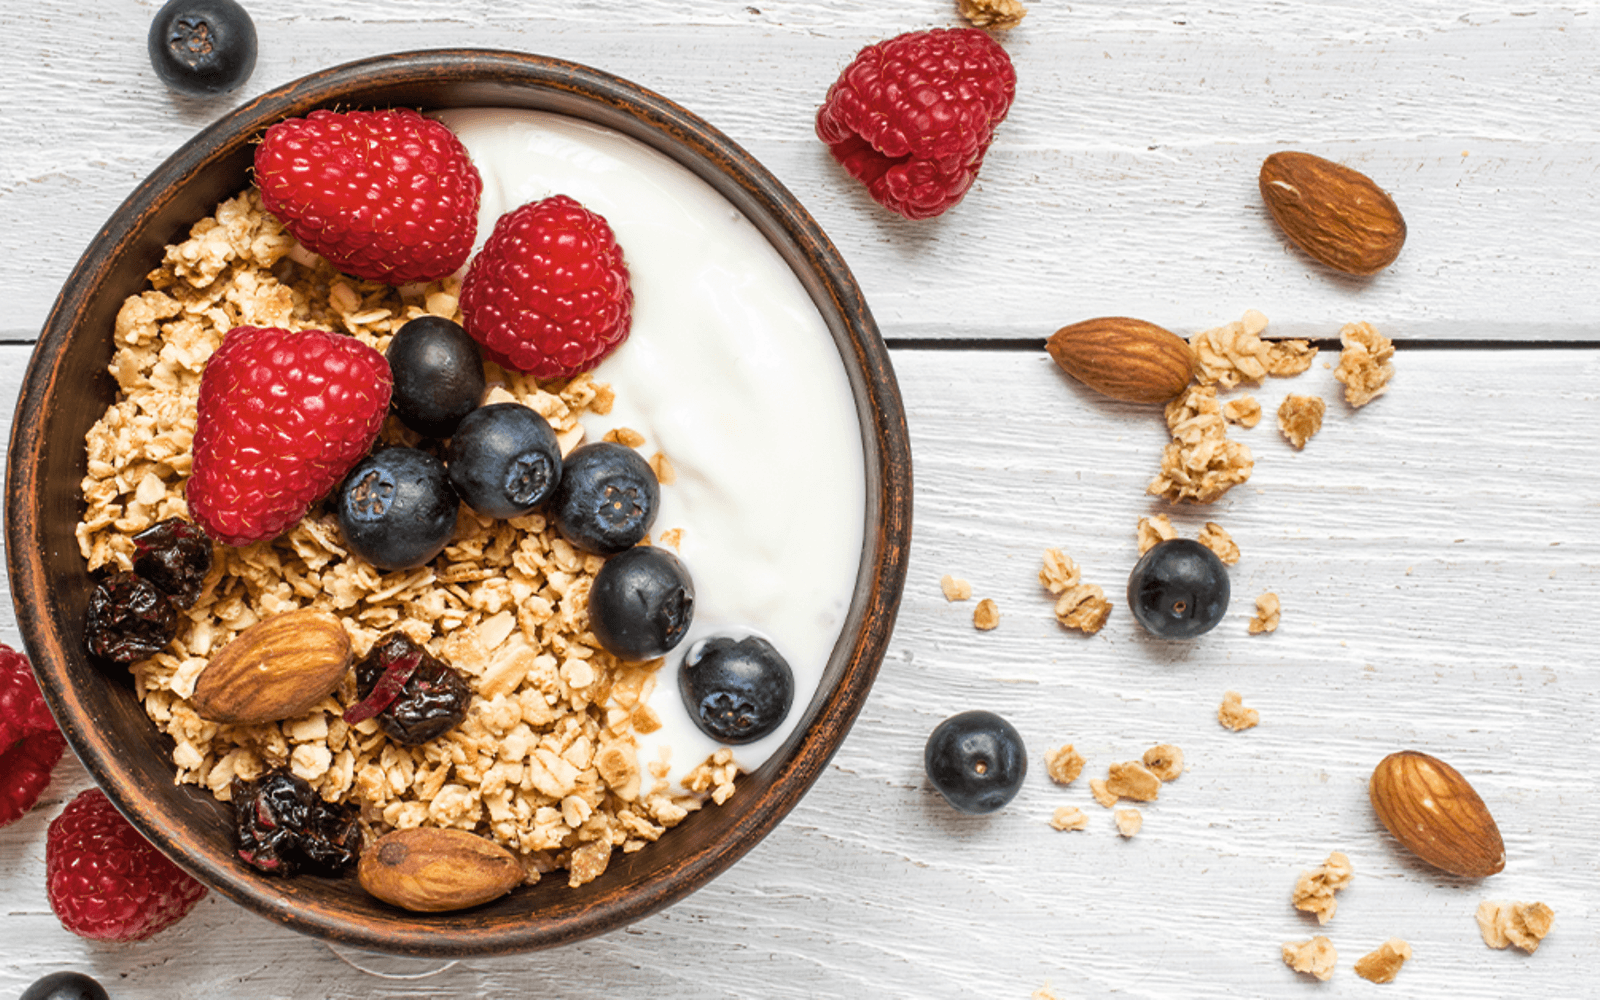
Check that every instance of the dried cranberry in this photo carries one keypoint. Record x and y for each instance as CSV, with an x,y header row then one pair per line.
x,y
129,619
175,556
431,702
284,825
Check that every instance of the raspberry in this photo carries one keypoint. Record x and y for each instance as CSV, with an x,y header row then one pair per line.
x,y
912,117
389,196
30,744
281,418
105,881
548,294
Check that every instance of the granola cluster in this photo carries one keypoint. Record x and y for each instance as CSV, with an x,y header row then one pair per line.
x,y
1079,605
1504,924
1364,364
1234,352
1200,464
992,13
1313,891
545,761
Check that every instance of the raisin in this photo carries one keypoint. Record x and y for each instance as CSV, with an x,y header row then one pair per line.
x,y
431,702
129,619
283,825
175,556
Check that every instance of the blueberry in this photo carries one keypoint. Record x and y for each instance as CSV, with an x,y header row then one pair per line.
x,y
976,760
65,986
641,603
1179,589
202,47
737,690
397,508
607,498
504,460
438,375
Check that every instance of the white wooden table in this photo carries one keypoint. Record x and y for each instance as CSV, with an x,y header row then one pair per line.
x,y
1435,553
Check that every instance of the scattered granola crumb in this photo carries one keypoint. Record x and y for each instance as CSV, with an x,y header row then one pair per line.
x,y
672,537
1268,611
1214,537
1079,605
1044,993
1300,417
1063,764
1364,366
1200,464
625,436
1522,924
1069,818
1382,965
1289,357
1102,795
1234,715
661,465
986,615
1129,821
1244,411
1132,780
1315,957
1165,761
1313,891
955,588
1231,353
1059,573
1155,530
992,13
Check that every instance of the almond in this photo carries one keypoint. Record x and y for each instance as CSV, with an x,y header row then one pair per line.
x,y
275,669
430,871
1333,213
1124,358
1430,808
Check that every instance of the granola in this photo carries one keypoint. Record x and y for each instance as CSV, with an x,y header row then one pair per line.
x,y
1063,764
1234,715
1155,530
1364,365
1234,352
1128,821
1216,538
1165,761
986,615
1069,818
1313,891
1132,780
1522,924
1244,411
1300,417
1315,957
1383,964
955,588
992,13
1268,612
1200,464
1079,605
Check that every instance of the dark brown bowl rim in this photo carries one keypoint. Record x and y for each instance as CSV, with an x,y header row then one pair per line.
x,y
453,78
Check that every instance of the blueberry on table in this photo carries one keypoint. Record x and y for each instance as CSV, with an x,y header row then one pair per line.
x,y
1179,589
438,375
203,47
607,498
641,603
504,460
976,760
397,508
129,619
737,690
65,986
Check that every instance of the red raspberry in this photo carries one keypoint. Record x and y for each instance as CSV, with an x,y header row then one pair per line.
x,y
30,744
389,196
911,117
281,418
548,294
105,881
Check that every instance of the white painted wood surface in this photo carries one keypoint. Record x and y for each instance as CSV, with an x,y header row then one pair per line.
x,y
1435,552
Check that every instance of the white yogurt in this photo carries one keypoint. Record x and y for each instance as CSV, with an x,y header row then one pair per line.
x,y
730,372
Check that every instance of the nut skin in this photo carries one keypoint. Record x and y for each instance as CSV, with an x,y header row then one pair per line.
x,y
1126,359
1335,214
1432,810
431,871
275,669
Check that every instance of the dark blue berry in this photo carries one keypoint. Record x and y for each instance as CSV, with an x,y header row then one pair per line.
x,y
976,760
203,47
65,986
607,498
397,508
737,690
1179,589
504,460
438,375
641,603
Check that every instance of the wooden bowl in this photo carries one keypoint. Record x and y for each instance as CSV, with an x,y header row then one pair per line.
x,y
67,389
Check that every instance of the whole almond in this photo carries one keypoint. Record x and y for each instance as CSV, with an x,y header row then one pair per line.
x,y
431,870
275,669
1124,358
1436,814
1335,214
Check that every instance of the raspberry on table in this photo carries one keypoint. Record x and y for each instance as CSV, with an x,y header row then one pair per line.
x,y
549,292
913,116
30,743
388,196
105,881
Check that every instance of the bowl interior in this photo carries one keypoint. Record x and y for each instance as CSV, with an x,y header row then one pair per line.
x,y
67,389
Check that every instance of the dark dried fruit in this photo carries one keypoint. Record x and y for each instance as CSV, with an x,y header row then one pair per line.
x,y
129,619
175,556
283,825
417,696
